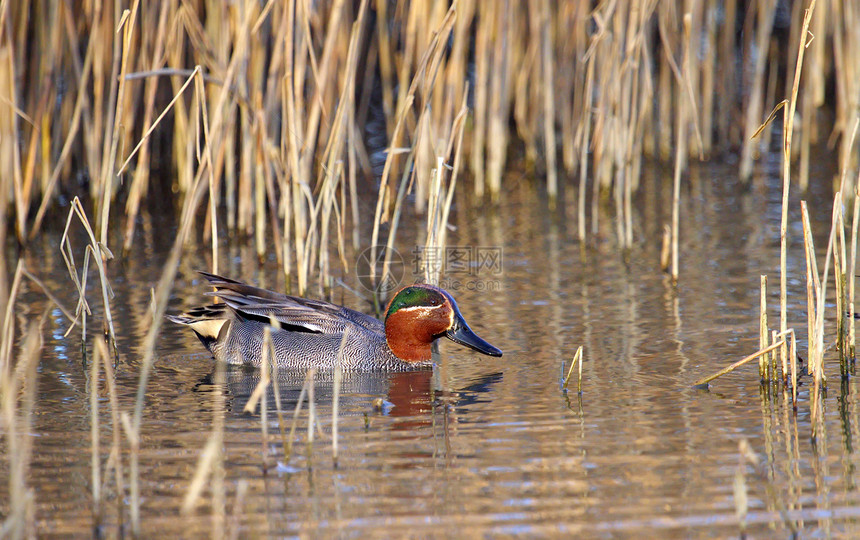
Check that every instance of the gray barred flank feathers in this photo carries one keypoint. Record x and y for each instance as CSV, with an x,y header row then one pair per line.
x,y
308,333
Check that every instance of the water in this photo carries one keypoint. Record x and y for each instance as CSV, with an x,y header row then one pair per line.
x,y
482,446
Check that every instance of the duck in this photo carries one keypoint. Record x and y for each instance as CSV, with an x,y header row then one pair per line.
x,y
308,333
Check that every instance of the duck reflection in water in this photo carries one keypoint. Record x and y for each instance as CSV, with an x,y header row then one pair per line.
x,y
403,394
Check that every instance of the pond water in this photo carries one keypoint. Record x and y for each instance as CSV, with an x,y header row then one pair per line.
x,y
481,446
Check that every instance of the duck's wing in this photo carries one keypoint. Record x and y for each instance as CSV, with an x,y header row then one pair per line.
x,y
293,313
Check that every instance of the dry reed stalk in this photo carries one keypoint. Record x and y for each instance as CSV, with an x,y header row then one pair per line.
x,y
839,277
381,213
577,360
500,96
792,102
765,12
709,75
680,151
832,247
783,241
203,113
584,141
666,249
309,58
812,285
100,253
483,32
816,339
9,149
787,356
83,76
774,376
548,101
852,271
392,231
126,24
739,363
433,267
7,330
140,179
763,329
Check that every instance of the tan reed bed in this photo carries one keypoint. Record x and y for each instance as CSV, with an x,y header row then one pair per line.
x,y
287,87
837,249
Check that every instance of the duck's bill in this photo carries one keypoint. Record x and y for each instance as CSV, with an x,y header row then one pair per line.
x,y
463,335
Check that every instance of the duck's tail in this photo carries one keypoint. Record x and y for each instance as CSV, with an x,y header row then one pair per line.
x,y
206,322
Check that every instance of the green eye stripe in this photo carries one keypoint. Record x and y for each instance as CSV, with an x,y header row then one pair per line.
x,y
411,297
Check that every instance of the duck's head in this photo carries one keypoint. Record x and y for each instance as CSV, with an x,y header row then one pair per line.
x,y
420,314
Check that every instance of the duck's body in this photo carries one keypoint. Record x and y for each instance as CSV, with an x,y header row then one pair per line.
x,y
311,331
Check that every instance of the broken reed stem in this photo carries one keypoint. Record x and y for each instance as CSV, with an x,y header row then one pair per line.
x,y
577,360
819,314
812,286
100,254
739,363
792,101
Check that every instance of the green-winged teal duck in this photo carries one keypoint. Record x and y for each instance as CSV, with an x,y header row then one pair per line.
x,y
311,331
